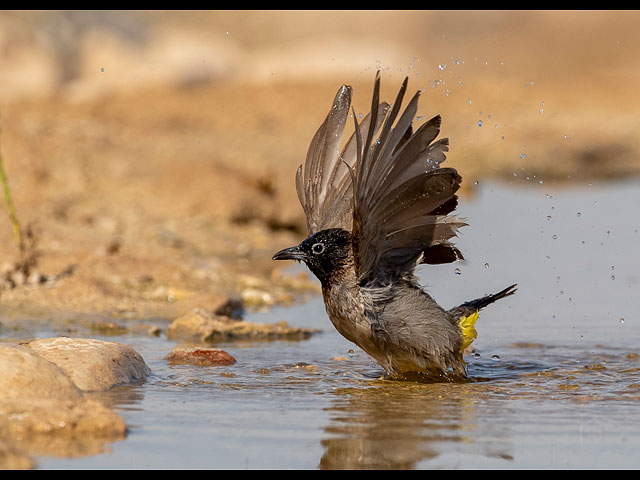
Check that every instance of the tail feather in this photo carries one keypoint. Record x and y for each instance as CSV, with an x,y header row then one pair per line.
x,y
467,314
472,306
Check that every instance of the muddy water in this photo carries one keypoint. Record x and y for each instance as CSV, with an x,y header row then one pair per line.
x,y
556,370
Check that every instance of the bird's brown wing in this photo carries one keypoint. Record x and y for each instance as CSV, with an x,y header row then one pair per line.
x,y
324,184
402,197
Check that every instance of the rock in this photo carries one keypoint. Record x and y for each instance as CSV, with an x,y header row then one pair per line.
x,y
43,412
154,331
203,326
25,374
107,328
232,308
253,297
30,416
200,356
93,365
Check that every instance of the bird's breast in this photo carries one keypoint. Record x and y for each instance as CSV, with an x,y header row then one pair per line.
x,y
346,311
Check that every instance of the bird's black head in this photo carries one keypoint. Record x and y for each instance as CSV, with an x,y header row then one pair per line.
x,y
327,253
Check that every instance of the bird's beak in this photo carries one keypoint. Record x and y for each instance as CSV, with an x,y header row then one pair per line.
x,y
291,253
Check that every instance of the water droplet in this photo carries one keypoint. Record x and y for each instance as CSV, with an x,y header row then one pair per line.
x,y
595,203
469,101
548,217
351,353
457,271
621,320
102,69
442,67
476,182
495,358
578,214
228,33
479,123
555,237
613,277
522,155
486,265
613,267
476,355
531,83
502,138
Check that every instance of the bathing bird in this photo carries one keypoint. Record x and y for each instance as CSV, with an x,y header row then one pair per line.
x,y
375,210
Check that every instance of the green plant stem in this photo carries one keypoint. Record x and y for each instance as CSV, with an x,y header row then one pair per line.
x,y
17,232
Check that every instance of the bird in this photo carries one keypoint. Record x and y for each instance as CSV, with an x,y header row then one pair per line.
x,y
375,210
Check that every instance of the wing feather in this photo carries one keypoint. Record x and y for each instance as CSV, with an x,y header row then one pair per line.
x,y
403,198
391,193
323,183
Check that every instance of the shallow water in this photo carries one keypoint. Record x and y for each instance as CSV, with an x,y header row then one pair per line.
x,y
556,371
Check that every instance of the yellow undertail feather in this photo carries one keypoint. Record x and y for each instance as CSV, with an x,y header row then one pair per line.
x,y
469,333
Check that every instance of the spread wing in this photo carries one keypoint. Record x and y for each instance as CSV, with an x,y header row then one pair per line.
x,y
402,197
324,184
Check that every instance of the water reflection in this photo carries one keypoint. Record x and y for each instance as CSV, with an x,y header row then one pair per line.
x,y
397,425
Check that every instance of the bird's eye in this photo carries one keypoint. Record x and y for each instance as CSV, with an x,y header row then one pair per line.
x,y
317,248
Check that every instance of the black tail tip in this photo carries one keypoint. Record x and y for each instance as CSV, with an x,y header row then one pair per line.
x,y
510,290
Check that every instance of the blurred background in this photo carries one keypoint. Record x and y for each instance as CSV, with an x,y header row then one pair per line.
x,y
152,150
151,158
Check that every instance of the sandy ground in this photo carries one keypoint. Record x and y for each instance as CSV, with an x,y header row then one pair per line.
x,y
155,159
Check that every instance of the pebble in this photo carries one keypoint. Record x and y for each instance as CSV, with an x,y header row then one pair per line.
x,y
200,356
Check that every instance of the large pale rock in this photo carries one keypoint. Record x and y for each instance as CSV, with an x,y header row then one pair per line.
x,y
203,326
42,411
25,374
93,365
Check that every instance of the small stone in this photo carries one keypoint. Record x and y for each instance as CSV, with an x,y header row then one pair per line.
x,y
36,278
18,277
255,297
232,308
154,331
108,328
200,356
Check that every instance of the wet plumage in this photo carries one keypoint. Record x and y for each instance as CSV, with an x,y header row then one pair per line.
x,y
375,210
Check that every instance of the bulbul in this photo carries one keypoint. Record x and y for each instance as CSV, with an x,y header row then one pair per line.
x,y
375,211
